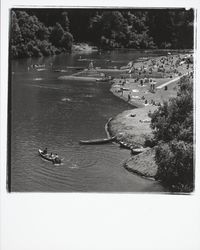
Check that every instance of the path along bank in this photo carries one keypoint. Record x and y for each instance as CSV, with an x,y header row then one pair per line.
x,y
145,86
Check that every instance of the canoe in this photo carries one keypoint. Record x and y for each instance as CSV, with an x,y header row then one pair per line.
x,y
124,145
137,150
97,141
48,157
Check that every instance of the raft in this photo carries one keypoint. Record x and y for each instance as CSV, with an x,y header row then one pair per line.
x,y
97,141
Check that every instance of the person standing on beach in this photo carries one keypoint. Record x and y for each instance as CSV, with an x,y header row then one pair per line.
x,y
122,92
129,97
91,66
153,86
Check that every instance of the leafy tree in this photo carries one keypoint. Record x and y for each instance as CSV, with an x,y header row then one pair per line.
x,y
16,36
60,38
56,35
65,21
175,161
67,41
172,28
30,37
172,125
121,29
175,114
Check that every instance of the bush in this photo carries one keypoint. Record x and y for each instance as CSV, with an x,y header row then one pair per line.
x,y
175,161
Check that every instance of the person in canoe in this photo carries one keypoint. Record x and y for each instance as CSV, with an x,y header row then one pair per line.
x,y
57,159
45,151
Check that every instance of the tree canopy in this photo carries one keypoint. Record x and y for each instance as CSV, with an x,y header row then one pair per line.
x,y
30,37
172,125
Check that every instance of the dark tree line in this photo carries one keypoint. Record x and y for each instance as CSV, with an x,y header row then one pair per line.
x,y
36,32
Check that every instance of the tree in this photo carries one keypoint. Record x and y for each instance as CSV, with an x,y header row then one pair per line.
x,y
30,37
61,38
172,126
65,21
126,29
56,35
171,28
67,41
16,36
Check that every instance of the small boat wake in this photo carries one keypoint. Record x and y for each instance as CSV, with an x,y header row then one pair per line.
x,y
88,96
65,99
74,166
37,79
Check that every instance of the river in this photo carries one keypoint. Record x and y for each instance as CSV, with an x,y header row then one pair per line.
x,y
52,113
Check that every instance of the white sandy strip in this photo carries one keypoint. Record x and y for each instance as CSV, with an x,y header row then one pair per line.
x,y
171,81
167,83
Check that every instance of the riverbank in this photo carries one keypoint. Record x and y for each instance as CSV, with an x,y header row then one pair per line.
x,y
146,94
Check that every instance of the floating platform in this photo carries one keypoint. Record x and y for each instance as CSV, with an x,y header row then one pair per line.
x,y
85,78
111,70
78,78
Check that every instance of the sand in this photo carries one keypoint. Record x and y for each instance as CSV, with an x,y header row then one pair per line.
x,y
132,127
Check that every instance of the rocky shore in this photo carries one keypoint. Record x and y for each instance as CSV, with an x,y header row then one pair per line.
x,y
132,127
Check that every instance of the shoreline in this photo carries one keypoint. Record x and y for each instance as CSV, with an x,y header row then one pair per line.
x,y
131,128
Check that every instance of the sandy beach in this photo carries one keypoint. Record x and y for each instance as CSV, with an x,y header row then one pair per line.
x,y
132,127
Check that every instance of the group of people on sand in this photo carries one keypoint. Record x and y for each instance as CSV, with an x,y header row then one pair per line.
x,y
165,65
171,65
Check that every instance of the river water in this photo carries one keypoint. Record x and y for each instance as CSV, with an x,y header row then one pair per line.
x,y
53,113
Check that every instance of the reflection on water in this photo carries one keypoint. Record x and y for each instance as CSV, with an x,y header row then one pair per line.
x,y
47,112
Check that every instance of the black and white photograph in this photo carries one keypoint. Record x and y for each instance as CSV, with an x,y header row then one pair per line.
x,y
99,125
101,100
